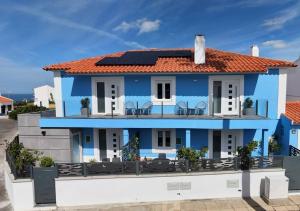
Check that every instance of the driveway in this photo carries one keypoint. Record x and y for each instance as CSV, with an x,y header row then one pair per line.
x,y
8,129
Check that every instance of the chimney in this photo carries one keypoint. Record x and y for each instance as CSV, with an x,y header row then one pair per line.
x,y
199,54
254,51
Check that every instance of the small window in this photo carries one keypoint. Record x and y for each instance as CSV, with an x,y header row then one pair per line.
x,y
87,139
115,150
163,138
159,91
167,90
168,138
178,141
163,90
230,85
114,145
160,139
112,86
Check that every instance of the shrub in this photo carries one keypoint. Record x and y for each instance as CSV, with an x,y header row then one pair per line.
x,y
46,161
25,159
131,151
24,109
93,160
189,154
85,102
248,103
245,154
274,146
14,148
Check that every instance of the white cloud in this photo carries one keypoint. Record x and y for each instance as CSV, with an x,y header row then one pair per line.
x,y
283,17
275,44
142,25
74,25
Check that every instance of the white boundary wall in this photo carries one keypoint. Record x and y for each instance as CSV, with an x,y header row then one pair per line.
x,y
20,192
131,189
77,191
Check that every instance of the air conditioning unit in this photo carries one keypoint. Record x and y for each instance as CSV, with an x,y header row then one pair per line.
x,y
276,187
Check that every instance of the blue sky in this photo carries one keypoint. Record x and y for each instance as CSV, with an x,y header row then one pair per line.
x,y
37,33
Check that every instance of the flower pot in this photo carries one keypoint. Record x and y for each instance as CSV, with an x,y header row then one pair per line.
x,y
85,112
249,111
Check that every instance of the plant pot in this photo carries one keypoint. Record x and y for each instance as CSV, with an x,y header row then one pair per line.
x,y
249,111
85,112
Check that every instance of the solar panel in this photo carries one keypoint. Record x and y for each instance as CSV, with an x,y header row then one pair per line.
x,y
142,57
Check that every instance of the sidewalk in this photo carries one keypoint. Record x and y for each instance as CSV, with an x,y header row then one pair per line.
x,y
293,203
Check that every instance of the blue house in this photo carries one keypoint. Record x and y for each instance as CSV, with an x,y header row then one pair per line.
x,y
168,99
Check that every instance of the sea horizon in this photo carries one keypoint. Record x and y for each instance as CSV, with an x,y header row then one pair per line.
x,y
18,96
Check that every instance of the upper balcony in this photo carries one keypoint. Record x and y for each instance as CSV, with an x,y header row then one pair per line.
x,y
135,115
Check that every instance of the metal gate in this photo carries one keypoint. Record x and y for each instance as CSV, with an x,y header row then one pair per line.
x,y
44,185
292,171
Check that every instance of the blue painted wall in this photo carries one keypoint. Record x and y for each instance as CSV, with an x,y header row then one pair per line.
x,y
87,147
189,87
263,87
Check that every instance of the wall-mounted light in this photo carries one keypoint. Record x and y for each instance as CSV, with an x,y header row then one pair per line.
x,y
43,132
195,80
136,80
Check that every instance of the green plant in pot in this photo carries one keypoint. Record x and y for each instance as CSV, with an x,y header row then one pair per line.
x,y
274,146
85,107
249,110
244,153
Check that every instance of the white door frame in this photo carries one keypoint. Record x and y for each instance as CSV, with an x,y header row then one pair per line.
x,y
80,145
222,78
108,133
94,94
240,133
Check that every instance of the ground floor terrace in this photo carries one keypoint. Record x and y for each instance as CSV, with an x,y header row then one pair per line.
x,y
102,144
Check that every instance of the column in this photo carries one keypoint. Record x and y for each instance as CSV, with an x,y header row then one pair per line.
x,y
125,137
187,138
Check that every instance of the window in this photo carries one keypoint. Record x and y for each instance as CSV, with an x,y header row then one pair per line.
x,y
163,90
164,141
163,138
87,139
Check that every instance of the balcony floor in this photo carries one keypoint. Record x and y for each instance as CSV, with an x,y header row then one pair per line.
x,y
169,116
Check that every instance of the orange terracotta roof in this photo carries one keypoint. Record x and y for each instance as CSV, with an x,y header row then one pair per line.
x,y
5,100
292,111
216,61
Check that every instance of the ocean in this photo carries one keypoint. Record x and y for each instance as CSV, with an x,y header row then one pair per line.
x,y
19,97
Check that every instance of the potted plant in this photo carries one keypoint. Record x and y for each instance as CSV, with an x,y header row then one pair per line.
x,y
85,107
274,146
248,107
244,153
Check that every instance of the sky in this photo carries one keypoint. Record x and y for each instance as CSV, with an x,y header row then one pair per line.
x,y
35,33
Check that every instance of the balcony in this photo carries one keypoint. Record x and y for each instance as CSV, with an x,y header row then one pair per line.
x,y
182,110
159,116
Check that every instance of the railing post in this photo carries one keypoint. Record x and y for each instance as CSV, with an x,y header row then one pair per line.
x,y
162,109
64,108
31,172
187,108
84,169
240,108
267,109
187,166
56,170
256,107
213,108
137,167
137,109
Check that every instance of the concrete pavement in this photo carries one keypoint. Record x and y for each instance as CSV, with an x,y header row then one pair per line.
x,y
8,129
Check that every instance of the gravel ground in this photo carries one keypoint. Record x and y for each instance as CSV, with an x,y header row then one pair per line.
x,y
8,129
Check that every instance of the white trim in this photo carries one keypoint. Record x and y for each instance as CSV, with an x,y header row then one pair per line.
x,y
96,144
282,83
222,78
172,80
239,133
58,94
81,157
94,93
171,149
